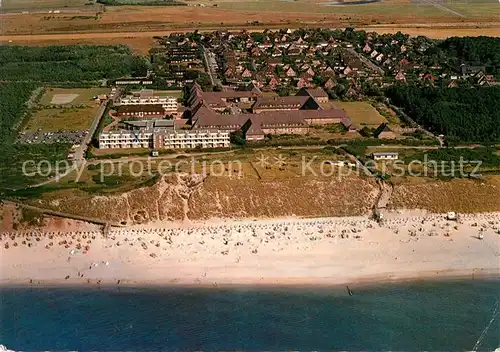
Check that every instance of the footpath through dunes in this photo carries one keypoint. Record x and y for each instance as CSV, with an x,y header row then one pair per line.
x,y
196,197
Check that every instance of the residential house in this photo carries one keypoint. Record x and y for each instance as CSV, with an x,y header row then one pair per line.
x,y
290,73
330,83
400,76
384,132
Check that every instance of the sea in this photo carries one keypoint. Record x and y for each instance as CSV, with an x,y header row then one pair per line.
x,y
456,315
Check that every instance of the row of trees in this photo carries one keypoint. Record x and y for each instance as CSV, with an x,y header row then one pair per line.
x,y
75,63
462,114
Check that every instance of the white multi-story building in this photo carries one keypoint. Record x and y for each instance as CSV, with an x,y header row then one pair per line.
x,y
163,138
126,139
168,103
191,139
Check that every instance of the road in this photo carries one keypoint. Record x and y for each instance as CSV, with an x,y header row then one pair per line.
x,y
211,65
416,125
366,61
80,152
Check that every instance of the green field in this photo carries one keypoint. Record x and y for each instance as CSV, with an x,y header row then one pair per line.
x,y
169,93
361,113
54,120
83,96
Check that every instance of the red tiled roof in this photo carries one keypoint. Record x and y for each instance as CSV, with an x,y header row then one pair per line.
x,y
313,92
278,102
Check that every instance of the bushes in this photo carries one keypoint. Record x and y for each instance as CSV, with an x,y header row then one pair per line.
x,y
486,156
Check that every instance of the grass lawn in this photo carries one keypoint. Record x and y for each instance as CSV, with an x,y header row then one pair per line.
x,y
169,93
361,113
122,151
82,95
54,120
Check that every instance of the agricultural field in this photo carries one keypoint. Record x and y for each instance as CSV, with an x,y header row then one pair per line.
x,y
137,21
34,5
361,113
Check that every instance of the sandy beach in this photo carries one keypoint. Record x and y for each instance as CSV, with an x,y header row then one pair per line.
x,y
291,251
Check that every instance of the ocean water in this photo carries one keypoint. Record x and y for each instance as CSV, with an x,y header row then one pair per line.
x,y
432,316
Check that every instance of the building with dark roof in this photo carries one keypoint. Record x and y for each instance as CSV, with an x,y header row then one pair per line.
x,y
285,104
317,93
280,115
384,132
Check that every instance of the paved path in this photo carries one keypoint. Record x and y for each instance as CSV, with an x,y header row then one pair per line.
x,y
80,151
443,8
63,214
208,56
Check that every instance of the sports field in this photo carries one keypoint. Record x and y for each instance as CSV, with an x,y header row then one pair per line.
x,y
72,96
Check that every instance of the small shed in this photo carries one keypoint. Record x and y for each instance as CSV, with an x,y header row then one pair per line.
x,y
385,156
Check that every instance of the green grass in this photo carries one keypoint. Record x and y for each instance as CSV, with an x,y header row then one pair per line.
x,y
14,156
54,120
85,95
361,113
170,93
487,156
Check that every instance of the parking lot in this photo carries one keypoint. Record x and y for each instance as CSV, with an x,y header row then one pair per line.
x,y
72,137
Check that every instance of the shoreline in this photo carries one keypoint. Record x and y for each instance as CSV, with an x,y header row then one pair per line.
x,y
286,252
479,274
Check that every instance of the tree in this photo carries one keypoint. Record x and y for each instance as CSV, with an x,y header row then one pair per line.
x,y
237,137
